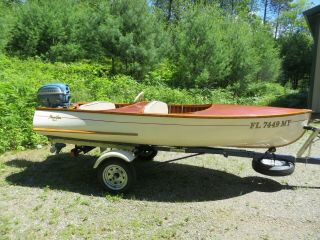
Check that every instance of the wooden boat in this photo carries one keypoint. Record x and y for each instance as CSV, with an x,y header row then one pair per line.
x,y
156,123
138,131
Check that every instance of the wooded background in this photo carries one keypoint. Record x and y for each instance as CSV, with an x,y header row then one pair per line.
x,y
178,51
210,44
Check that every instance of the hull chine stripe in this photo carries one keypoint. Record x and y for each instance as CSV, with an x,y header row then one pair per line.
x,y
83,132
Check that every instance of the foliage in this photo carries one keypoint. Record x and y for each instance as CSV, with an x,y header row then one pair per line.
x,y
294,99
202,55
171,11
244,60
46,29
6,20
292,20
216,51
162,74
295,43
201,43
296,50
177,51
133,40
267,54
124,31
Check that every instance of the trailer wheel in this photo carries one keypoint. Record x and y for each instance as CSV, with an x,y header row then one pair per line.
x,y
146,153
116,175
273,167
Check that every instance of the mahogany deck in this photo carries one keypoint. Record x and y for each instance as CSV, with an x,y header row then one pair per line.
x,y
240,110
214,110
195,111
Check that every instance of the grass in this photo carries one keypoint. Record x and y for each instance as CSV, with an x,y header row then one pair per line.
x,y
59,197
114,198
5,226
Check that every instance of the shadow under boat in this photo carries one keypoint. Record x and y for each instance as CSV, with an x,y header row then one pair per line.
x,y
174,182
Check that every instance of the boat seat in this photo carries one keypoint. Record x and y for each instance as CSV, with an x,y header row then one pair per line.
x,y
98,105
156,107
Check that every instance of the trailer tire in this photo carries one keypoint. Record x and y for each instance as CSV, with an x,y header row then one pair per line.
x,y
273,167
116,175
146,153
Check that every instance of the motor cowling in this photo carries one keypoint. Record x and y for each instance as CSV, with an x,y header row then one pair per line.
x,y
54,95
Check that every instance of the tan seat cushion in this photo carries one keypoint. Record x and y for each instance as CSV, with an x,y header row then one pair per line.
x,y
98,106
156,107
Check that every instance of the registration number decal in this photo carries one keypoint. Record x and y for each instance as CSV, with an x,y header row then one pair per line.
x,y
270,124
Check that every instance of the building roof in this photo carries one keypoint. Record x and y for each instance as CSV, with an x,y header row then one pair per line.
x,y
312,15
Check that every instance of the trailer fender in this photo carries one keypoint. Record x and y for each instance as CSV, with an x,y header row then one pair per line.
x,y
122,154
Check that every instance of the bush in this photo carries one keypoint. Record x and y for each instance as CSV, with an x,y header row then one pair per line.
x,y
162,74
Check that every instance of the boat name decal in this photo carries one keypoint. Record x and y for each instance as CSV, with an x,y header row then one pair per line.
x,y
54,118
270,124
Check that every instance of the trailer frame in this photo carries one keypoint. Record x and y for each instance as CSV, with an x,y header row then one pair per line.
x,y
123,154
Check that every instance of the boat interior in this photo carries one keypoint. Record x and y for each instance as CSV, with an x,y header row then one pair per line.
x,y
158,107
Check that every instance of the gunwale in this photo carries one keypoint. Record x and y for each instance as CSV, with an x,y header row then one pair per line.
x,y
208,113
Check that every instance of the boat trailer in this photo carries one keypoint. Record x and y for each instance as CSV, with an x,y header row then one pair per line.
x,y
117,174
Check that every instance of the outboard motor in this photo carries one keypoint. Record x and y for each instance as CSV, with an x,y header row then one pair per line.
x,y
54,95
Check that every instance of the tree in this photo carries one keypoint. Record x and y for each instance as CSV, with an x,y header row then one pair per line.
x,y
265,10
295,43
267,53
278,7
213,50
201,56
172,10
235,7
244,61
45,28
296,50
292,20
130,34
6,22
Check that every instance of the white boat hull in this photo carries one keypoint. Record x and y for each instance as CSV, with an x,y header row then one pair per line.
x,y
171,131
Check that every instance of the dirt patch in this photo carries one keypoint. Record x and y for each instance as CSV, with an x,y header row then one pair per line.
x,y
205,197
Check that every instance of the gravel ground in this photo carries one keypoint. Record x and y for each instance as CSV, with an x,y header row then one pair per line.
x,y
204,197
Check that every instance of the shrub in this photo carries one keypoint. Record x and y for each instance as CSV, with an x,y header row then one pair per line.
x,y
162,74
